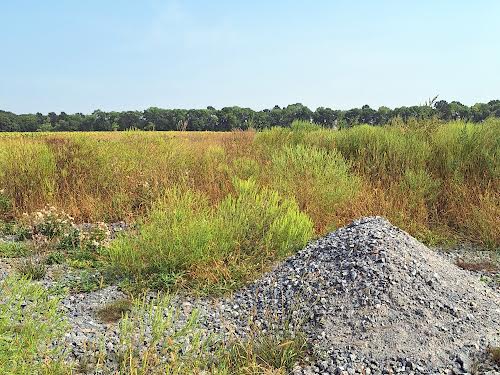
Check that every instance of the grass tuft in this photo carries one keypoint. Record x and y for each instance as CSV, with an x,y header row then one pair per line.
x,y
32,269
114,311
14,249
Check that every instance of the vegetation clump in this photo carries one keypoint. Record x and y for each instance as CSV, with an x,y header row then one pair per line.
x,y
215,245
32,269
114,311
14,249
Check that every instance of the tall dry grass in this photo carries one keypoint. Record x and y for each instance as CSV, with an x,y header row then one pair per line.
x,y
435,180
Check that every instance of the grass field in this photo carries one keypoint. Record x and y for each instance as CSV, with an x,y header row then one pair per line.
x,y
431,179
236,201
211,211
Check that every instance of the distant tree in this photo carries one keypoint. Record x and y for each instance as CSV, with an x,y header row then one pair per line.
x,y
229,118
459,111
480,112
368,116
443,110
352,116
384,115
326,116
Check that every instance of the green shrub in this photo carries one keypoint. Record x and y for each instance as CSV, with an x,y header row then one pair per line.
x,y
86,281
32,269
259,221
383,153
178,232
467,152
49,222
30,322
14,249
183,233
55,257
318,179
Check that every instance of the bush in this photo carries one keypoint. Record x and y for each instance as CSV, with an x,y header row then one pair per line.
x,y
383,153
468,153
177,233
260,222
55,257
14,249
183,234
319,180
30,324
32,269
49,222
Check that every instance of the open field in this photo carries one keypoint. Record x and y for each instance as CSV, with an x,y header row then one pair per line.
x,y
105,220
437,181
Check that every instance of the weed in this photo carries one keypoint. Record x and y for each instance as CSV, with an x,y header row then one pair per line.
x,y
495,354
185,235
5,204
430,178
32,269
113,311
275,350
86,281
55,257
14,249
319,180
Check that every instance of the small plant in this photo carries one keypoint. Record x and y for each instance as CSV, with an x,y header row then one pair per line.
x,y
495,354
49,222
55,257
164,349
114,311
276,351
70,240
86,281
185,235
32,269
14,249
95,238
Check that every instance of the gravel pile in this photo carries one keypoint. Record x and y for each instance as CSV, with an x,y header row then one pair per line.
x,y
371,298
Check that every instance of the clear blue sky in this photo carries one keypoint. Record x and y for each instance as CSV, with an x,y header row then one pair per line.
x,y
77,56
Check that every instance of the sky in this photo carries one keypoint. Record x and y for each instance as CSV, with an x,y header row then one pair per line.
x,y
78,56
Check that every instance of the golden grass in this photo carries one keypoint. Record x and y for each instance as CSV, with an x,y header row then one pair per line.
x,y
439,179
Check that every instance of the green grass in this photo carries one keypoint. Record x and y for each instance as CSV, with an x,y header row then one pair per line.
x,y
264,352
30,322
32,269
14,249
225,244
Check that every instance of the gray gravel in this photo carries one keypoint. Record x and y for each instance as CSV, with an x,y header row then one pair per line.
x,y
369,296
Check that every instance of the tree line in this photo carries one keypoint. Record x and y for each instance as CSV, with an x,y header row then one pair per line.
x,y
229,118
